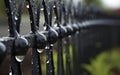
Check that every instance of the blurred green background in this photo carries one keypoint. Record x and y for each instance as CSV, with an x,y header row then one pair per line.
x,y
106,63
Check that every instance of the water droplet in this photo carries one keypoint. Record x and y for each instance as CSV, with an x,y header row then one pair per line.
x,y
12,13
48,13
40,50
19,58
42,9
27,6
51,44
47,47
55,25
2,39
30,21
8,30
77,32
48,62
69,36
35,12
10,73
44,27
54,6
51,70
55,17
16,18
32,62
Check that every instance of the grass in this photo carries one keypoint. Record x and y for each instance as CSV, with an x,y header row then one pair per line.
x,y
104,63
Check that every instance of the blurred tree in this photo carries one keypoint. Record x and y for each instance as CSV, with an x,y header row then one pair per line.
x,y
2,11
105,5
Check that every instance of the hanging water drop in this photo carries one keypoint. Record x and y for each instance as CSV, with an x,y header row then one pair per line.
x,y
10,73
8,30
47,47
40,50
77,32
54,6
51,44
44,27
42,9
12,12
48,13
32,62
35,12
27,6
16,18
19,58
69,36
51,70
48,62
30,21
55,17
55,25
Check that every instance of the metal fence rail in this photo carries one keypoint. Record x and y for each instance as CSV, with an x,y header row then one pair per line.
x,y
86,29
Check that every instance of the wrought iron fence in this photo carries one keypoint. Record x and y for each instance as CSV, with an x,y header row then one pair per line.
x,y
86,29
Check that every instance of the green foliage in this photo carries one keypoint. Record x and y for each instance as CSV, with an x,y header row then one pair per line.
x,y
95,2
2,11
104,63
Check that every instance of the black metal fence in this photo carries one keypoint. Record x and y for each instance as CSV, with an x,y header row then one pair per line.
x,y
88,30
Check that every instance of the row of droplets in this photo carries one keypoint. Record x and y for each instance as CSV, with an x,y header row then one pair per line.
x,y
20,58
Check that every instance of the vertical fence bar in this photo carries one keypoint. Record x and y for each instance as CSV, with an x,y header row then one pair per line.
x,y
18,15
11,11
52,36
74,55
36,64
83,16
58,12
67,41
60,58
45,40
68,60
74,38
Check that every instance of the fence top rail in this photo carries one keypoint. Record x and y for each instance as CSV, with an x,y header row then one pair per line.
x,y
90,23
100,22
